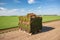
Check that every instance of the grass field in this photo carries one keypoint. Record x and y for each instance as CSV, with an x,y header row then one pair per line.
x,y
50,18
12,21
8,21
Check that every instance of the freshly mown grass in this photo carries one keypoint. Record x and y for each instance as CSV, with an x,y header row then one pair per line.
x,y
8,22
12,21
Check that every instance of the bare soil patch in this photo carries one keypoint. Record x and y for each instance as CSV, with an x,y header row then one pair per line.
x,y
9,30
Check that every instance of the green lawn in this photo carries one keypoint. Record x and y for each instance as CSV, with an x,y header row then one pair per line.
x,y
8,21
12,21
50,18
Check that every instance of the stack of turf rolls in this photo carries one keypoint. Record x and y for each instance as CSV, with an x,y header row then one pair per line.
x,y
30,23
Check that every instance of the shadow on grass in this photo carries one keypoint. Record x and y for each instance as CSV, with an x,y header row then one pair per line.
x,y
45,29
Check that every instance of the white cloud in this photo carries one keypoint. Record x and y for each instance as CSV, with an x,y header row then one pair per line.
x,y
31,1
22,10
2,4
16,1
1,8
39,7
13,10
7,12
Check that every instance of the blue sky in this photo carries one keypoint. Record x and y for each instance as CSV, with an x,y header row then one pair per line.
x,y
22,7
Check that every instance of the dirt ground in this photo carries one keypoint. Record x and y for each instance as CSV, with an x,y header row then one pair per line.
x,y
50,31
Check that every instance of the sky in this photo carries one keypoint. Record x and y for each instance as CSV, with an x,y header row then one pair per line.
x,y
23,7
